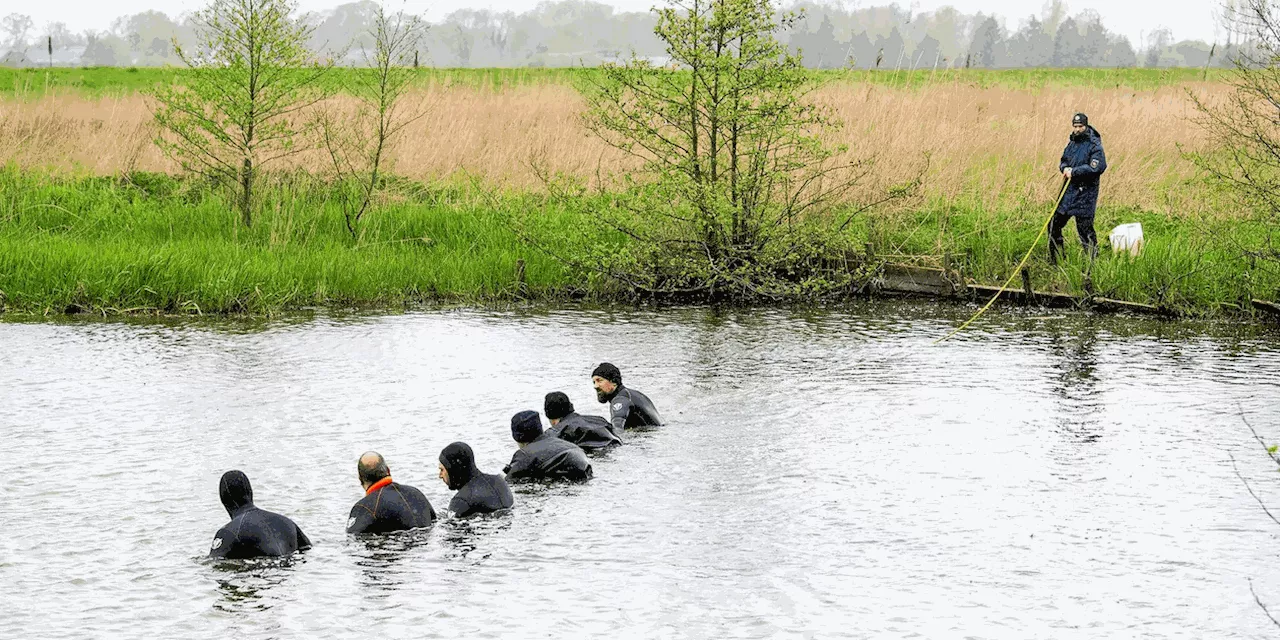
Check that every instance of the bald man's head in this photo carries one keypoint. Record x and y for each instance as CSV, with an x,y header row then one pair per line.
x,y
372,468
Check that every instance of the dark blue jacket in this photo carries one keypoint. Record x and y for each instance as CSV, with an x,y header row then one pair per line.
x,y
1087,162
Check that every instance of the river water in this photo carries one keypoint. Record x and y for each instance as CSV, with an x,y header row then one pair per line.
x,y
823,474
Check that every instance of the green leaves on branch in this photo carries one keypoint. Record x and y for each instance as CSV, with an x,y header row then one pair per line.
x,y
734,176
358,142
239,107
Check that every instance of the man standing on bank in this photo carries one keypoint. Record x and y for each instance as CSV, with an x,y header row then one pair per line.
x,y
1083,161
628,408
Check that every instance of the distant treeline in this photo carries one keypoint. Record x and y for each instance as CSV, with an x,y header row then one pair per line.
x,y
573,32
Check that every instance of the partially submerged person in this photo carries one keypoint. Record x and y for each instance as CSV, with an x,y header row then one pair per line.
x,y
252,532
477,492
628,408
387,505
542,456
589,432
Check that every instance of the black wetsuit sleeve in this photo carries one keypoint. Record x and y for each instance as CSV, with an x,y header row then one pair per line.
x,y
303,541
521,464
223,541
460,505
359,520
619,411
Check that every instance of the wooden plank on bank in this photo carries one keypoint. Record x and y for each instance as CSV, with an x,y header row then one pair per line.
x,y
1269,307
904,278
1044,298
1108,304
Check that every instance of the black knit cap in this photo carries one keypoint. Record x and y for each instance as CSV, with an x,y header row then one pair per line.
x,y
608,372
1080,118
526,426
557,405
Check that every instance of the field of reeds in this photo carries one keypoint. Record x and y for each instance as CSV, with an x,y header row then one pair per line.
x,y
74,141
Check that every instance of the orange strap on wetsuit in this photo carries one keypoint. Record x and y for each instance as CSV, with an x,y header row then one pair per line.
x,y
378,485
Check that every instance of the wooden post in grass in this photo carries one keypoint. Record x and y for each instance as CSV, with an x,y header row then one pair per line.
x,y
1026,286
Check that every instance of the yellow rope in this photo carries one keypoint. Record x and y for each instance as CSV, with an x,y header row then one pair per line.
x,y
1016,269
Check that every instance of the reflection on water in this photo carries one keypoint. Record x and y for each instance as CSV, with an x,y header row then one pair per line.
x,y
1074,357
242,584
385,561
824,473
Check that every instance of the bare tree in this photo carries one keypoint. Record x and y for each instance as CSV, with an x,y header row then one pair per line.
x,y
16,26
1245,126
1271,452
251,75
358,146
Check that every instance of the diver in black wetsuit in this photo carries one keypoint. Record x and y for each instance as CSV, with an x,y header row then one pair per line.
x,y
386,506
589,432
543,456
252,532
628,408
477,492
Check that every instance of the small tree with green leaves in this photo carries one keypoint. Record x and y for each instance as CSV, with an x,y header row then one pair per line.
x,y
732,168
1246,158
358,144
237,110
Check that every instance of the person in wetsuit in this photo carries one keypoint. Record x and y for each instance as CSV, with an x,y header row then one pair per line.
x,y
542,456
386,506
252,532
628,408
589,432
477,492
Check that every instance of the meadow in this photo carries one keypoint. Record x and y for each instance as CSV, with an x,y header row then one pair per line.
x,y
94,217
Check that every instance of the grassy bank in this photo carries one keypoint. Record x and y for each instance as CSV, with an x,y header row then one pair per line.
x,y
91,219
151,243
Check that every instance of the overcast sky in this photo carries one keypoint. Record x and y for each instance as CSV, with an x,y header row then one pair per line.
x,y
1188,19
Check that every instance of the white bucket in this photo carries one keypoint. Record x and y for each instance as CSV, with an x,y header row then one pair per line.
x,y
1127,237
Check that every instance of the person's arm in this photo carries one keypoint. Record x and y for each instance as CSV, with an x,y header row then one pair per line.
x,y
619,411
1062,163
1096,165
222,542
520,465
358,521
460,505
304,542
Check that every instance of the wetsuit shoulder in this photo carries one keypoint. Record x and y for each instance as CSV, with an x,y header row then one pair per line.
x,y
642,405
224,542
501,492
363,515
620,410
419,506
258,533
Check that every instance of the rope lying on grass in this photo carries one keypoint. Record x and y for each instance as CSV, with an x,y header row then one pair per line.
x,y
1016,269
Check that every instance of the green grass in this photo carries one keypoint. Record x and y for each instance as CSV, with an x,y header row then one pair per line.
x,y
101,81
153,243
1189,266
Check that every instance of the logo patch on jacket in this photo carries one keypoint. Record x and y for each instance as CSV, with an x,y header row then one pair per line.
x,y
1093,163
617,406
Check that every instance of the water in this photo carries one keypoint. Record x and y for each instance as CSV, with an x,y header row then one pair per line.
x,y
823,474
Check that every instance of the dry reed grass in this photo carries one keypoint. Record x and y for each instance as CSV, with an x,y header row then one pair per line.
x,y
991,147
